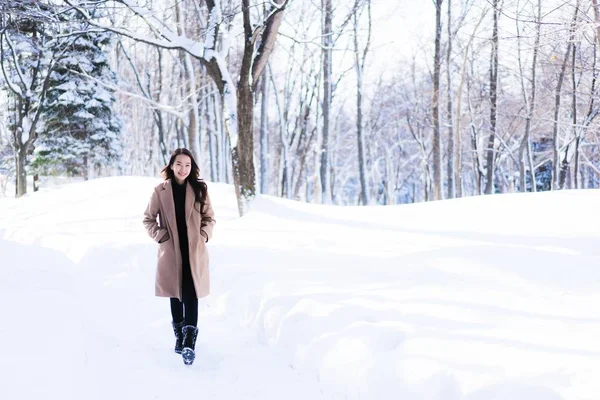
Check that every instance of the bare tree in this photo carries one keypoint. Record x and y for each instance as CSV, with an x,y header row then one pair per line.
x,y
572,148
191,94
592,112
437,141
467,51
452,181
258,43
264,135
326,101
530,105
27,76
359,66
490,151
154,96
557,102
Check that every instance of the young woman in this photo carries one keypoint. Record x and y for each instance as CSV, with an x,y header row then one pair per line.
x,y
185,224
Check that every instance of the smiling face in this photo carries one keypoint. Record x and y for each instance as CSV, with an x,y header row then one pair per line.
x,y
181,168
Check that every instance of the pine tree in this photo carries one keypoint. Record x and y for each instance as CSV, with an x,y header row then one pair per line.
x,y
81,127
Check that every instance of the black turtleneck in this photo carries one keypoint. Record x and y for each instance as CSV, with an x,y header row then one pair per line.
x,y
179,200
179,192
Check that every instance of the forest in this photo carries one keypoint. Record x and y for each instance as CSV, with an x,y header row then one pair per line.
x,y
347,102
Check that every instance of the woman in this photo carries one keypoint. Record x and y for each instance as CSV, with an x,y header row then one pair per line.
x,y
185,223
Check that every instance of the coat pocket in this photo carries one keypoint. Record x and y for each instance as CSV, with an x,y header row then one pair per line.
x,y
165,238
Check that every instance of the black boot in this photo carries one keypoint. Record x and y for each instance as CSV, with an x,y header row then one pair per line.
x,y
190,333
178,330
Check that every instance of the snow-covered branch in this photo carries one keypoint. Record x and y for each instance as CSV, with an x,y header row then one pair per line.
x,y
170,40
14,88
214,22
268,38
15,60
163,107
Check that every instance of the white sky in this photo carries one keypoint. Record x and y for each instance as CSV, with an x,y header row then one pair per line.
x,y
398,25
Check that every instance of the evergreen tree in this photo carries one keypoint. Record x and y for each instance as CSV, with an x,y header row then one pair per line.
x,y
81,127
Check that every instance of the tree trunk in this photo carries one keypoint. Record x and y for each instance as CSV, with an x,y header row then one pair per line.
x,y
557,168
591,114
566,161
426,175
390,195
452,182
437,145
284,169
573,104
221,143
555,136
258,46
477,175
158,115
359,64
193,134
327,10
526,143
264,136
225,154
210,134
86,168
364,195
576,168
463,70
597,19
489,187
21,173
193,121
243,154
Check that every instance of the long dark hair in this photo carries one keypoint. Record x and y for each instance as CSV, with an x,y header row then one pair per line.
x,y
199,186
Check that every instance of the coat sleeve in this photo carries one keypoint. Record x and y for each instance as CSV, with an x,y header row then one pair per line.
x,y
155,231
208,219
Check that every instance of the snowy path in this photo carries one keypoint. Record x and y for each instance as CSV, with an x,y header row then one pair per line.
x,y
101,333
420,302
98,338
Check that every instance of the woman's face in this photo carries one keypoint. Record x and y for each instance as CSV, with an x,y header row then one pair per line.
x,y
181,167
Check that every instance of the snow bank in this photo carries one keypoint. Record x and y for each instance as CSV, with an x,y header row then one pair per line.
x,y
471,299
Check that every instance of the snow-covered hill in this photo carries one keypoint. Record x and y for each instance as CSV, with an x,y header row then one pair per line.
x,y
483,298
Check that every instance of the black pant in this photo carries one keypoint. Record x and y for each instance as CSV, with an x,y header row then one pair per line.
x,y
186,310
189,305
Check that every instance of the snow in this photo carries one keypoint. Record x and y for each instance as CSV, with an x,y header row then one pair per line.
x,y
487,298
84,114
78,61
195,48
69,86
229,95
25,129
103,95
214,18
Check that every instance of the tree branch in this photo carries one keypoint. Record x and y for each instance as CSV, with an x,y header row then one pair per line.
x,y
15,89
14,56
268,36
170,40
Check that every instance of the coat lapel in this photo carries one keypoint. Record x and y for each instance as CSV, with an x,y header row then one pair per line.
x,y
166,199
190,198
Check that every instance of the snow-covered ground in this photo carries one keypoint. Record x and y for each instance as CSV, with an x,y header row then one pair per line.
x,y
488,298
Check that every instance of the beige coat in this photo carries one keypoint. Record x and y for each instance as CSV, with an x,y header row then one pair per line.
x,y
168,270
